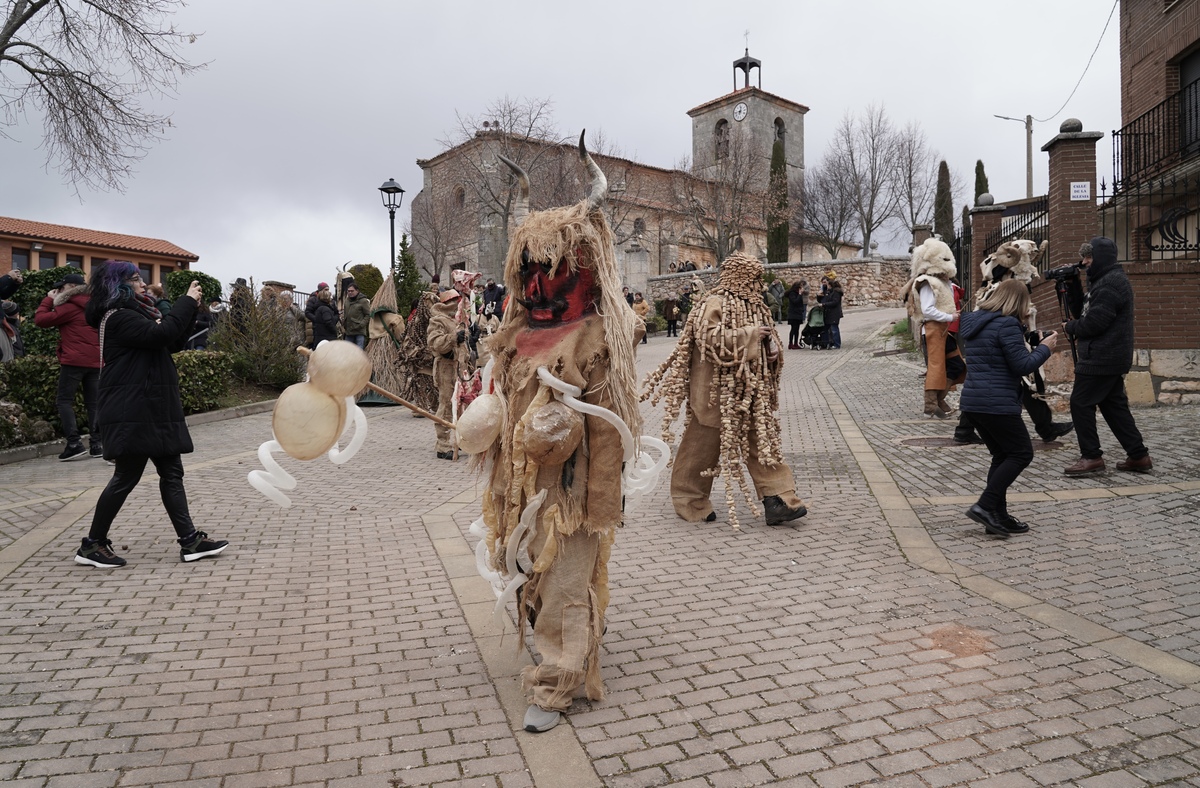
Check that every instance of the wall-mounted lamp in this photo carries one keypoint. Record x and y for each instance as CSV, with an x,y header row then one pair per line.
x,y
37,247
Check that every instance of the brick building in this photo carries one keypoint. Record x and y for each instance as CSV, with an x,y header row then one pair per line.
x,y
28,245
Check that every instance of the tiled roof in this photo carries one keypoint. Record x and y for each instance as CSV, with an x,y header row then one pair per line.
x,y
41,231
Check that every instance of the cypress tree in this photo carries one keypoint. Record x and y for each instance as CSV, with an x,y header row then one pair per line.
x,y
406,278
777,207
943,205
981,183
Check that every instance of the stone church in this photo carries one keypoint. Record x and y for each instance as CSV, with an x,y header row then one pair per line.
x,y
662,218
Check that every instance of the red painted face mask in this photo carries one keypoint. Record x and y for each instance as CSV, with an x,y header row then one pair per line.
x,y
559,299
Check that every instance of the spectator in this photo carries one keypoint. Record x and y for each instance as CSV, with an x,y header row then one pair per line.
x,y
628,295
795,306
1104,331
10,326
78,361
494,294
670,313
991,398
777,289
323,316
240,302
357,317
641,308
832,302
140,412
160,298
293,316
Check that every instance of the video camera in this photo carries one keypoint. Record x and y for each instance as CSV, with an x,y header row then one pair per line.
x,y
1064,272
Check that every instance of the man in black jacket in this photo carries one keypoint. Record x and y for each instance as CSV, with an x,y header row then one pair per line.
x,y
1104,332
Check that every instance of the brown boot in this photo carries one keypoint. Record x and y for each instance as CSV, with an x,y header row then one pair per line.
x,y
1085,467
931,405
941,401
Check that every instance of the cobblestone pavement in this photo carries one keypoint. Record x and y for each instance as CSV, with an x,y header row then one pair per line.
x,y
882,640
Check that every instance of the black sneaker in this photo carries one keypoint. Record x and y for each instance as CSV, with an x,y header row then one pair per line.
x,y
74,451
1059,429
778,512
198,546
96,449
98,554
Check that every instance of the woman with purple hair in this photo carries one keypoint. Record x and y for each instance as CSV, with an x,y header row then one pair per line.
x,y
140,414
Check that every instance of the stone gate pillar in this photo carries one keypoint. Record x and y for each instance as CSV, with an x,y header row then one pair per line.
x,y
985,220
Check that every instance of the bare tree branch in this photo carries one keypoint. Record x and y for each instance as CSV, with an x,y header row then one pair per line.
x,y
85,65
726,201
824,208
864,148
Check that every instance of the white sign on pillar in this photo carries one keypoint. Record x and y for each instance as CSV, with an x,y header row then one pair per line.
x,y
1081,190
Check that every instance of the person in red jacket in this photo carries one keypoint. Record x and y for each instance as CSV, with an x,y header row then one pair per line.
x,y
78,361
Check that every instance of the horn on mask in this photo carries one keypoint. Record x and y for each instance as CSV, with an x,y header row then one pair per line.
x,y
599,182
521,207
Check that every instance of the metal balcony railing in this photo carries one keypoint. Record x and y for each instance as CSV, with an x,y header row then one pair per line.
x,y
1157,140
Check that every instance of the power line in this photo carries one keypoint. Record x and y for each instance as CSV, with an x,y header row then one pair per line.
x,y
1085,68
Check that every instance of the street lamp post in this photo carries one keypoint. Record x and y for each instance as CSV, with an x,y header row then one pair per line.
x,y
392,195
1028,121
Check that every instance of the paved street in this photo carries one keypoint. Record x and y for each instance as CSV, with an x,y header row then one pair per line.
x,y
884,640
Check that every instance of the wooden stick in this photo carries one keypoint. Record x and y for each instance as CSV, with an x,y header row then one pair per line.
x,y
398,400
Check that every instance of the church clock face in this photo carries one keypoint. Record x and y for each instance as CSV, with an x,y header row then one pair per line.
x,y
739,112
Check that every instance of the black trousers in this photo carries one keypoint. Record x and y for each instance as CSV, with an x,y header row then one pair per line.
x,y
794,331
126,476
69,380
672,331
1106,392
1007,440
1039,412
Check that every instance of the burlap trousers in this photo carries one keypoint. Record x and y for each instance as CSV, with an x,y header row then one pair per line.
x,y
568,625
700,450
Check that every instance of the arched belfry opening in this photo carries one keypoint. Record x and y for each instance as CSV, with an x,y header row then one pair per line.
x,y
744,64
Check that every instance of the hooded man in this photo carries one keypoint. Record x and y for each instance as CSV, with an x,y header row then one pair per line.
x,y
1104,331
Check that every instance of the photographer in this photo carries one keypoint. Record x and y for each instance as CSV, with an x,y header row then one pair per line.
x,y
1104,333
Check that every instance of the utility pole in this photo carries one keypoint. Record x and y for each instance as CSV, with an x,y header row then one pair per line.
x,y
1028,150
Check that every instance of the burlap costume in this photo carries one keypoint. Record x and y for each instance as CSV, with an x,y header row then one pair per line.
x,y
545,448
452,361
729,378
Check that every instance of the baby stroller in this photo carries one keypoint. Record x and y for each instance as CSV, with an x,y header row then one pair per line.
x,y
813,333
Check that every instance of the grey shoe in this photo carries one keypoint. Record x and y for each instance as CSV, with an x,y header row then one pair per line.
x,y
538,720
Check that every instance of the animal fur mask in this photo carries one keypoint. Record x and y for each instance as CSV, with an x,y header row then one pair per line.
x,y
933,258
1013,260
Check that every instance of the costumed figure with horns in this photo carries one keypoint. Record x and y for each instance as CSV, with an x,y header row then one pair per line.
x,y
726,368
453,362
931,298
563,360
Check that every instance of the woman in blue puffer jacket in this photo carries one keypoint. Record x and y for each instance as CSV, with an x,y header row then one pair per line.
x,y
997,359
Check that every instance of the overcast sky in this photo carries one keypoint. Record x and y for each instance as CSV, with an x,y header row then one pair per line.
x,y
277,149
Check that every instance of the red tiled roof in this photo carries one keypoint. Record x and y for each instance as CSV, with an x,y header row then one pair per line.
x,y
41,231
746,92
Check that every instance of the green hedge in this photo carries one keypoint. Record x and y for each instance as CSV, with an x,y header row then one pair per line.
x,y
204,377
178,282
32,383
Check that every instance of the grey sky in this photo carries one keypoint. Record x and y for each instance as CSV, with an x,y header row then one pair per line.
x,y
271,167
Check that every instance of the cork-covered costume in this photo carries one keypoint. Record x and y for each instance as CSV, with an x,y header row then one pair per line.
x,y
554,469
727,372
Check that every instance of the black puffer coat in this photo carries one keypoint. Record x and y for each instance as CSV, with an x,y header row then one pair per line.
x,y
140,412
1105,329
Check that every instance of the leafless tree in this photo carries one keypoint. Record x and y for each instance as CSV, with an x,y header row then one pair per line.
x,y
445,225
824,208
864,149
523,130
915,177
85,65
720,207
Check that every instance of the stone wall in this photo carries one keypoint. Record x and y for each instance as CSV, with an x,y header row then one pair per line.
x,y
871,281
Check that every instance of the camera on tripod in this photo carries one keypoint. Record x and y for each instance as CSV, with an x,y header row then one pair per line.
x,y
1063,273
